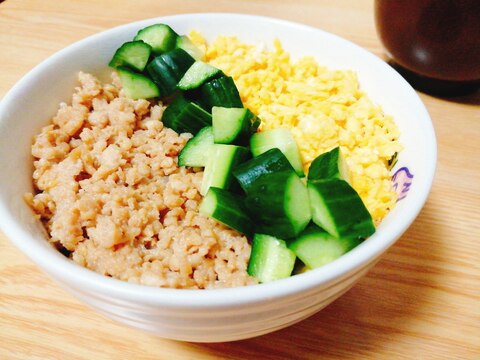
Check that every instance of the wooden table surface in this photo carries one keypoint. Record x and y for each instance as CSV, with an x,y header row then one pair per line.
x,y
421,301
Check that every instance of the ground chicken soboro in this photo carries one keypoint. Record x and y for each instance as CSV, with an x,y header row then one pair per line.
x,y
111,193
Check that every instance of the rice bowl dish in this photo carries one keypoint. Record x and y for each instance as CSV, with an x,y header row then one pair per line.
x,y
217,314
114,199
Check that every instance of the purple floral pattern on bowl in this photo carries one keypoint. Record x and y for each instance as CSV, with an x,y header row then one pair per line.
x,y
402,180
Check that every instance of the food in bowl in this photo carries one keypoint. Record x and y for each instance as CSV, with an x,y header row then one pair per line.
x,y
117,196
113,198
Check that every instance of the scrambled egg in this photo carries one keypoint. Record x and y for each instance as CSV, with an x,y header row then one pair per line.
x,y
323,108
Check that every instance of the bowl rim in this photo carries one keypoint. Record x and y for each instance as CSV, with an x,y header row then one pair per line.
x,y
69,272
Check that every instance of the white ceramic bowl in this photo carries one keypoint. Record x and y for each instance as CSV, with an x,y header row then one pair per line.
x,y
225,314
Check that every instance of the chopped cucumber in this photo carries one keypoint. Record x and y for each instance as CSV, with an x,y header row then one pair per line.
x,y
220,92
195,152
270,259
278,203
233,125
270,161
132,54
228,209
167,69
160,37
337,208
329,165
197,75
137,86
278,138
185,116
179,61
218,169
316,247
183,42
163,76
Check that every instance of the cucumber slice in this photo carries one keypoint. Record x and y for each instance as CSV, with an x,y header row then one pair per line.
x,y
220,92
337,208
137,86
270,161
160,37
316,247
195,152
167,69
179,61
183,42
270,259
197,75
278,203
228,209
218,169
132,54
329,165
163,76
233,125
278,138
185,116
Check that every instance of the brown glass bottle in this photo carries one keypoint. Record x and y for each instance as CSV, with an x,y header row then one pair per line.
x,y
434,44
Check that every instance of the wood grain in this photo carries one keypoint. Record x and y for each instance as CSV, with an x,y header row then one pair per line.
x,y
421,301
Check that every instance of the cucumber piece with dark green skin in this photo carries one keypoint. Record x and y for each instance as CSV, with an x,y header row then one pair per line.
x,y
160,37
183,42
132,54
268,162
221,160
228,209
329,165
167,69
220,92
278,203
179,61
185,116
163,76
197,74
337,208
270,259
316,247
137,86
282,139
195,151
233,125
